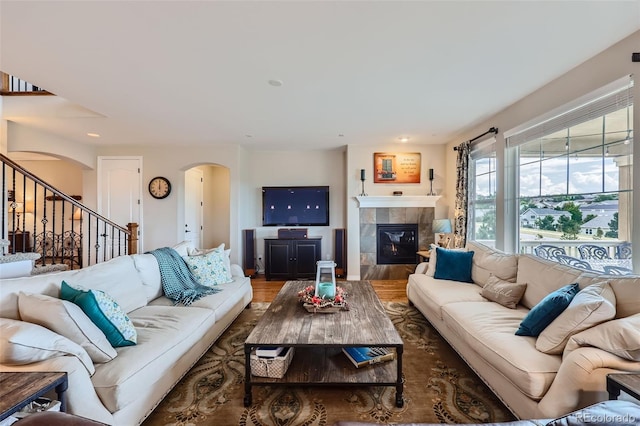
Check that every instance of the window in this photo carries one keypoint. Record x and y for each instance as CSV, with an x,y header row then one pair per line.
x,y
579,163
482,196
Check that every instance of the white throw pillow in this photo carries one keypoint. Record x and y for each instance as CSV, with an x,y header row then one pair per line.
x,y
68,320
619,337
592,305
24,343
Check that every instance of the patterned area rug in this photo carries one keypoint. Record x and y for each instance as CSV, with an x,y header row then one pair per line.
x,y
439,387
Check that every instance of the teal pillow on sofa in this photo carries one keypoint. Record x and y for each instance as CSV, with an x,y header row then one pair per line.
x,y
453,265
548,309
104,312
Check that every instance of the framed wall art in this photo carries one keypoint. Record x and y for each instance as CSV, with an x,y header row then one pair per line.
x,y
398,167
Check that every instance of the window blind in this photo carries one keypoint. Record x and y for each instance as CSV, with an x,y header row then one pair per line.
x,y
616,97
483,148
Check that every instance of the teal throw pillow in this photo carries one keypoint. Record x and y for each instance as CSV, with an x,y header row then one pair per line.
x,y
453,265
548,309
105,313
209,268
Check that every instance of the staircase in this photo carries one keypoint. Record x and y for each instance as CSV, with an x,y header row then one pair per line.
x,y
38,218
40,221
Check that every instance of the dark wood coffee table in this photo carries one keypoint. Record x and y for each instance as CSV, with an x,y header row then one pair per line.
x,y
318,339
17,389
625,382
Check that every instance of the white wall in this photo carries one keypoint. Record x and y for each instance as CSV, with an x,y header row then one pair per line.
x,y
217,212
293,168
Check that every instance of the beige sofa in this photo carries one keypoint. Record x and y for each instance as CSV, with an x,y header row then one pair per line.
x,y
170,339
531,383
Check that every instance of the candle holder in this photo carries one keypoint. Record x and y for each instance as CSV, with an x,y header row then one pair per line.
x,y
362,194
431,183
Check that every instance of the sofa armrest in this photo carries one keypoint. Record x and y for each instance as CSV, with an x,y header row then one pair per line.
x,y
421,268
581,380
81,396
236,270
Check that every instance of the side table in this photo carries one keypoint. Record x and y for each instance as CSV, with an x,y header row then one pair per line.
x,y
18,389
626,382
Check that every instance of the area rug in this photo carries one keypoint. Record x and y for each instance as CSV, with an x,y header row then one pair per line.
x,y
439,387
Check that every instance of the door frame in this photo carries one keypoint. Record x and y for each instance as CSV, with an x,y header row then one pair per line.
x,y
139,158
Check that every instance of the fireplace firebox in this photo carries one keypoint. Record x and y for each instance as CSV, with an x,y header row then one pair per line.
x,y
396,243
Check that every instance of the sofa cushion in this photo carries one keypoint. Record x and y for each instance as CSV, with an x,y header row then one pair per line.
x,y
619,337
506,293
22,342
453,265
592,305
222,302
548,309
165,333
149,271
489,261
626,289
438,293
542,277
68,320
118,277
489,329
104,312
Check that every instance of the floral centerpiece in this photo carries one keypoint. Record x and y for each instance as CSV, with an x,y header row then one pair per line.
x,y
314,303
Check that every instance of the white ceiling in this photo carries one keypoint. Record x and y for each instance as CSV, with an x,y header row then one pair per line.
x,y
196,73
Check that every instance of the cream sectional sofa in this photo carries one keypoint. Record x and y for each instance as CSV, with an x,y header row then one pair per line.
x,y
170,339
531,383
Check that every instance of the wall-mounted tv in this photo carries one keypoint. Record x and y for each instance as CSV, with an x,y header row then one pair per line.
x,y
295,206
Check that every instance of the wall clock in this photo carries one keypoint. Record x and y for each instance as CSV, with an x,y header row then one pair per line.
x,y
159,187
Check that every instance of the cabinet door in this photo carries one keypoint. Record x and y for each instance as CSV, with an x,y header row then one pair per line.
x,y
307,253
278,259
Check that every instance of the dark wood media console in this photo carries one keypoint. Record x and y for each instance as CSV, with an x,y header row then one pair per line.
x,y
291,259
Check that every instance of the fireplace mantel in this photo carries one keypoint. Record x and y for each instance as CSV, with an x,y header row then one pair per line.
x,y
397,201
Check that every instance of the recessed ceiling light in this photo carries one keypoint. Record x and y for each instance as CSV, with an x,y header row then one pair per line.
x,y
340,135
276,83
93,135
404,138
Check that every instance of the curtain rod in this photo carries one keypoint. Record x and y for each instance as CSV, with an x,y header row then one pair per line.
x,y
491,130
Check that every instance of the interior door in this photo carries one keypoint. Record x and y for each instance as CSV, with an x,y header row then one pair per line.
x,y
193,206
119,195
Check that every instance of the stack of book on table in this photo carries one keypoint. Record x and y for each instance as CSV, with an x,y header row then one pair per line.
x,y
269,351
362,356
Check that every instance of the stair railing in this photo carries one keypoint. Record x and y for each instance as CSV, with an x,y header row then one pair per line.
x,y
36,217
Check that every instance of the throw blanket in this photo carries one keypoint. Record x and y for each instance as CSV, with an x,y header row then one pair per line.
x,y
178,283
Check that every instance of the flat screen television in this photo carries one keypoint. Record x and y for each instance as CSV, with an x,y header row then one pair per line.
x,y
295,206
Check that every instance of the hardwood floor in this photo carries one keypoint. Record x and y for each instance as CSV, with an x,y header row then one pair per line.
x,y
387,290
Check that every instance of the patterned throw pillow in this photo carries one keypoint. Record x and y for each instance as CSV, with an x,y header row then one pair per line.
x,y
221,249
104,312
209,268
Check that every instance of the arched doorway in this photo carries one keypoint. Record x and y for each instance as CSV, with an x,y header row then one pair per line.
x,y
208,200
